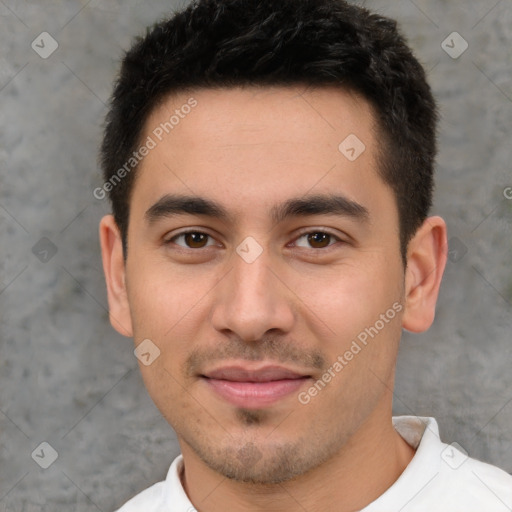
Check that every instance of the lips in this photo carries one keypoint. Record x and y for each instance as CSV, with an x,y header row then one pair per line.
x,y
266,374
254,388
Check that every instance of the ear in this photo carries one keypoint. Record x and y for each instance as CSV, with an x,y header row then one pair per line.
x,y
114,269
426,259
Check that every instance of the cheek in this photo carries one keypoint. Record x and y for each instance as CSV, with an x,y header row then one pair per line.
x,y
361,310
167,390
350,297
168,307
161,299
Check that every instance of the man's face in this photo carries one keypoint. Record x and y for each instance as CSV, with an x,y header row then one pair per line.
x,y
266,293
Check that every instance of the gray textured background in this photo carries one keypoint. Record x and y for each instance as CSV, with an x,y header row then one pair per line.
x,y
68,379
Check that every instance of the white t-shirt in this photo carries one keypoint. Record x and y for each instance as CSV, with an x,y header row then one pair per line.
x,y
439,478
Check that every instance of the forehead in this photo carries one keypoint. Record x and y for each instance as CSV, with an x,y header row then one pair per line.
x,y
238,115
260,143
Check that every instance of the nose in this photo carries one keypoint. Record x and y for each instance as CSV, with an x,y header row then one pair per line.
x,y
253,299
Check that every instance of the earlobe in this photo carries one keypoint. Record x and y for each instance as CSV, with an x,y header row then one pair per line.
x,y
426,259
114,269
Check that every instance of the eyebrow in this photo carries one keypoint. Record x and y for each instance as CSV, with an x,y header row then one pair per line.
x,y
330,204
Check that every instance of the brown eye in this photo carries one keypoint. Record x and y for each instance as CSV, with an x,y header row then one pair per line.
x,y
191,239
316,240
196,240
319,240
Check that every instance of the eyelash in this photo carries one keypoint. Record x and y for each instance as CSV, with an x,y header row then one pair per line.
x,y
304,233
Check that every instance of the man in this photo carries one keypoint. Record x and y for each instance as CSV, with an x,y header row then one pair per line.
x,y
270,168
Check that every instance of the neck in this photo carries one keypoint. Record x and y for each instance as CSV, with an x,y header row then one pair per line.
x,y
365,468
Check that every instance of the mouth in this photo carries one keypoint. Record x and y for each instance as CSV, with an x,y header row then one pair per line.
x,y
254,388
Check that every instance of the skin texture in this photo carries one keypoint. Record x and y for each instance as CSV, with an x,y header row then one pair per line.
x,y
299,304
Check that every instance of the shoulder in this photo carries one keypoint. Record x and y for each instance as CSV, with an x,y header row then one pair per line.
x,y
477,483
149,500
160,496
470,482
443,477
